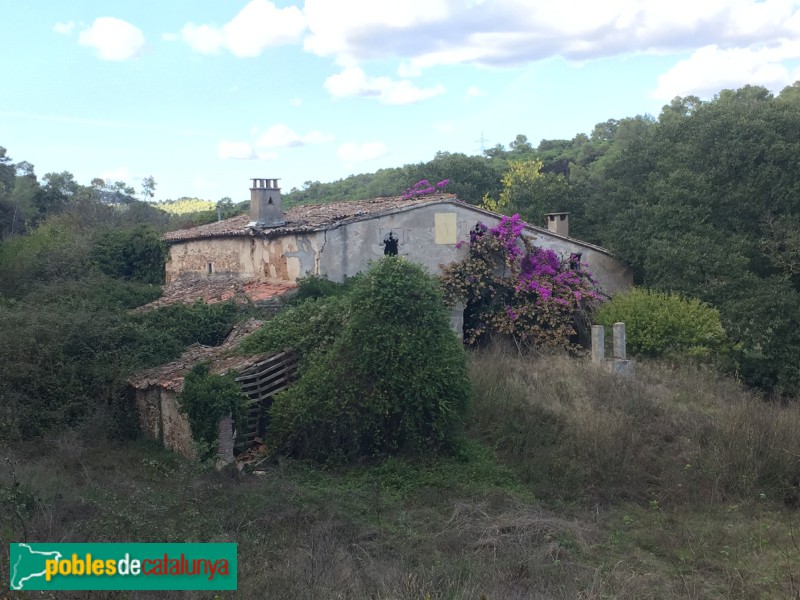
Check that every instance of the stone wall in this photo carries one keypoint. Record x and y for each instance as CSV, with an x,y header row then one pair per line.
x,y
161,420
279,259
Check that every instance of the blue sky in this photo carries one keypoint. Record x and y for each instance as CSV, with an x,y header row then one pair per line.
x,y
204,95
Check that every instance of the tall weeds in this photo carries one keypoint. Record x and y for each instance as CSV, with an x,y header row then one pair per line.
x,y
577,433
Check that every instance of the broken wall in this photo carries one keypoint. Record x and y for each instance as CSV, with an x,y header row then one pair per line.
x,y
283,258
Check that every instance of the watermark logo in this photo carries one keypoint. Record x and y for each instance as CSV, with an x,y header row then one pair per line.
x,y
123,567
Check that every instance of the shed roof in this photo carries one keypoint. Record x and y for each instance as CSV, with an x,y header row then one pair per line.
x,y
187,290
171,376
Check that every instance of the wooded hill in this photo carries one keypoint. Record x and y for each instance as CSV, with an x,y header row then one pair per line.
x,y
702,200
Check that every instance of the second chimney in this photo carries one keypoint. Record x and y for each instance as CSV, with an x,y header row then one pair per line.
x,y
265,203
558,223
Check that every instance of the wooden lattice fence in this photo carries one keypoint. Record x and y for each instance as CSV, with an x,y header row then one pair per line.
x,y
261,382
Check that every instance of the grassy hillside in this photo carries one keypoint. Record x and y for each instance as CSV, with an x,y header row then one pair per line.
x,y
574,484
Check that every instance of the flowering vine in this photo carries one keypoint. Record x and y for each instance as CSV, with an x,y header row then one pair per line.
x,y
424,188
511,287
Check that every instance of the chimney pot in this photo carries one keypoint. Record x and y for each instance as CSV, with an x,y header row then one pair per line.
x,y
265,204
558,223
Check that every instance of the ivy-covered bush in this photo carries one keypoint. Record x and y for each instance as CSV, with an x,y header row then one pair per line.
x,y
511,287
659,324
207,324
308,327
136,254
205,399
393,381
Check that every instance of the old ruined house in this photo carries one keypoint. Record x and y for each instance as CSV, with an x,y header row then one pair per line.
x,y
261,255
155,391
270,248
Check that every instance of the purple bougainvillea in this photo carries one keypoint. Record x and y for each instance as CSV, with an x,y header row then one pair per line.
x,y
512,287
424,188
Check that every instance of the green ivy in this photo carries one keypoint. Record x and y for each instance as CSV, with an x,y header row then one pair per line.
x,y
205,399
393,381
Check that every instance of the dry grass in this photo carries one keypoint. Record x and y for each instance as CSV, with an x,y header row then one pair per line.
x,y
670,434
587,494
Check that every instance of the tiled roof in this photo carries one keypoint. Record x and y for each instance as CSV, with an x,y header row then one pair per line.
x,y
307,217
187,290
171,375
316,217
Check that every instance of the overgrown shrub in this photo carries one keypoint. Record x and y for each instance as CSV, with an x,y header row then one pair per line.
x,y
136,254
394,380
319,286
512,288
54,250
308,327
658,324
61,359
207,324
205,399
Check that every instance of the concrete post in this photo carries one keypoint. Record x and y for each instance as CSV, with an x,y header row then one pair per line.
x,y
598,344
457,319
225,442
619,341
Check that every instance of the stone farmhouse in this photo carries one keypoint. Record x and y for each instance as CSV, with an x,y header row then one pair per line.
x,y
269,249
261,255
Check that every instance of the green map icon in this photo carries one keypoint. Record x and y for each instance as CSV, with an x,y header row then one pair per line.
x,y
28,564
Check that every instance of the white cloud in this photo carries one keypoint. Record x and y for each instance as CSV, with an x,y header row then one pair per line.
x,y
281,136
203,38
113,39
118,174
712,68
426,33
474,92
259,25
236,150
352,152
64,28
352,81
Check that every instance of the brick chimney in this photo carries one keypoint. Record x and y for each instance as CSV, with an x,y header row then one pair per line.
x,y
558,223
265,204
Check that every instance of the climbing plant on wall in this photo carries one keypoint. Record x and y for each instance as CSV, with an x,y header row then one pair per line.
x,y
205,399
511,287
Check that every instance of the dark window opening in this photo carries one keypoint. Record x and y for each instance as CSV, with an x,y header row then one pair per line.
x,y
210,268
390,245
575,261
270,200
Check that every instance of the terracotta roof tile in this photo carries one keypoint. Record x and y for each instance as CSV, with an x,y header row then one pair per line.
x,y
187,290
171,376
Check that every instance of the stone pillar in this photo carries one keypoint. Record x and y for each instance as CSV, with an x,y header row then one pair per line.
x,y
598,344
619,341
457,319
225,442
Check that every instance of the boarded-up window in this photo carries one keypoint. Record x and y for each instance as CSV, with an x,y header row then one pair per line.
x,y
446,230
